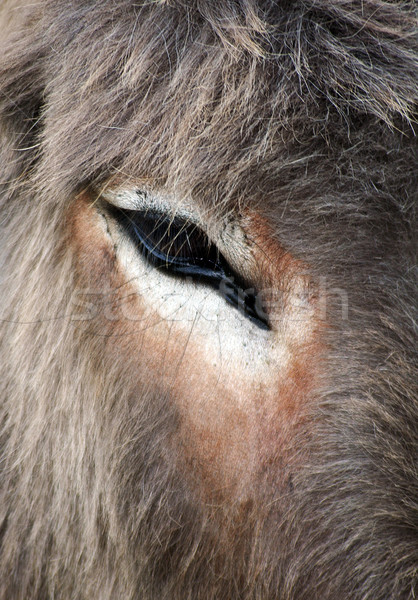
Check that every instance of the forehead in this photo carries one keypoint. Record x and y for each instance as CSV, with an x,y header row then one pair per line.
x,y
234,109
160,93
230,106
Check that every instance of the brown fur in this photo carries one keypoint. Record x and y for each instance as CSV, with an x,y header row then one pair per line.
x,y
112,483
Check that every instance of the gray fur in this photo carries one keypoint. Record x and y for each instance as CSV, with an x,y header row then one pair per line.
x,y
301,110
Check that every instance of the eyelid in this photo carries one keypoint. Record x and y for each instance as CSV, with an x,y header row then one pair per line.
x,y
194,266
214,270
143,200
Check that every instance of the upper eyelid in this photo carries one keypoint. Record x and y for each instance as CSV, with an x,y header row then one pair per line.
x,y
141,200
172,207
166,223
211,268
153,246
227,234
153,204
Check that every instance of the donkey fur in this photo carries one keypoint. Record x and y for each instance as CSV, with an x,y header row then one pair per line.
x,y
303,110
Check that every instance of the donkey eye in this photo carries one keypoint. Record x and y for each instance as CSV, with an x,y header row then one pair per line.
x,y
175,245
180,248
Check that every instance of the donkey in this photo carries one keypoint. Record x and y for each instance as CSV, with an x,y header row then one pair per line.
x,y
208,368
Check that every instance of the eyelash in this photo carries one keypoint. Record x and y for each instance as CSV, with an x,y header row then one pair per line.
x,y
180,248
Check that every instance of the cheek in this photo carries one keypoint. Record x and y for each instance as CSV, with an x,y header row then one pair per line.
x,y
240,393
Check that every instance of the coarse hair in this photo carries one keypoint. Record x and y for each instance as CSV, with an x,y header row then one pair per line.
x,y
303,110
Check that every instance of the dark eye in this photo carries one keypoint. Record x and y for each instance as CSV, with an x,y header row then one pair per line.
x,y
180,248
